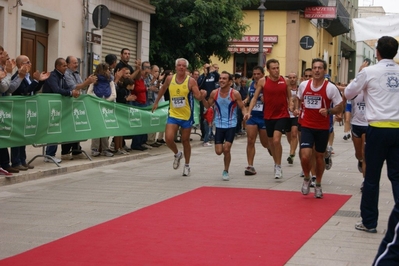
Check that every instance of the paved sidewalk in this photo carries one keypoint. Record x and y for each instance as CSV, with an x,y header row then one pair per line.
x,y
49,202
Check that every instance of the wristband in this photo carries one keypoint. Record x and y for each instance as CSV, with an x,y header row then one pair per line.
x,y
329,111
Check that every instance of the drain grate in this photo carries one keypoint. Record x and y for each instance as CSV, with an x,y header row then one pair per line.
x,y
341,213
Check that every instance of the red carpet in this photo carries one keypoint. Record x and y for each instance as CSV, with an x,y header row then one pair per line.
x,y
206,226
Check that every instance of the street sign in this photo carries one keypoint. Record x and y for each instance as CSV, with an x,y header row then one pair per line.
x,y
101,16
93,38
306,42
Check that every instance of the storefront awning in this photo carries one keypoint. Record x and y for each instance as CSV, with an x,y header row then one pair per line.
x,y
239,48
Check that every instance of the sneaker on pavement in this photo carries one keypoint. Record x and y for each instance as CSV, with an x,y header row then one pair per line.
x,y
250,170
48,160
186,170
28,166
20,167
176,162
305,186
161,141
361,227
66,157
290,159
318,192
225,176
107,153
122,152
328,162
4,172
313,181
95,153
360,166
207,144
347,136
155,144
301,174
112,146
126,148
278,172
146,146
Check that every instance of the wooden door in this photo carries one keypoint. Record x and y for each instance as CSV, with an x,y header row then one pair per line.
x,y
35,46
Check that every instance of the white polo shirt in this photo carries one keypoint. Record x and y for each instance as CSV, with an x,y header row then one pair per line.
x,y
380,84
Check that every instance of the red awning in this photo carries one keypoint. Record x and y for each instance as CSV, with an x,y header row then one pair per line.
x,y
249,48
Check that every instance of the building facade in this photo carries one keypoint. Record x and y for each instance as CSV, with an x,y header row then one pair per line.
x,y
293,38
47,29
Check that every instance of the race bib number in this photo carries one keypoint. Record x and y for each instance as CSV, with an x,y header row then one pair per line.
x,y
178,102
258,106
313,102
361,107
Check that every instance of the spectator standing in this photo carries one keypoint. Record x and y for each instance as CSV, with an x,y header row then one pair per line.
x,y
124,62
104,88
6,68
208,124
74,81
153,84
208,81
56,84
123,95
23,84
380,85
140,91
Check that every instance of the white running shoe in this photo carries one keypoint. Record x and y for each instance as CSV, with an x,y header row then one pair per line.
x,y
176,162
48,160
186,170
306,186
107,153
146,146
318,192
278,172
207,144
95,153
225,176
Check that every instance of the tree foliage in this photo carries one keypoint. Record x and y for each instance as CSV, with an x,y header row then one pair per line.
x,y
195,30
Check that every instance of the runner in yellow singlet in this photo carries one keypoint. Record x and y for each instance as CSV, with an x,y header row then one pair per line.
x,y
182,89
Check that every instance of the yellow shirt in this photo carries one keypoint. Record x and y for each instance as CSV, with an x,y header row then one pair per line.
x,y
180,99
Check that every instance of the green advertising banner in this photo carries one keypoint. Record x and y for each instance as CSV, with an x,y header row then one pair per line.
x,y
52,118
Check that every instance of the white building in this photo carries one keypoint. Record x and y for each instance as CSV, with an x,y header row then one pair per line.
x,y
47,29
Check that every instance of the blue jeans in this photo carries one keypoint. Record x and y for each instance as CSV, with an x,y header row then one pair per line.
x,y
18,156
382,144
208,131
51,150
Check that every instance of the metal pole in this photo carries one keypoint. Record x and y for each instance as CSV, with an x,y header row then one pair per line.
x,y
85,44
261,9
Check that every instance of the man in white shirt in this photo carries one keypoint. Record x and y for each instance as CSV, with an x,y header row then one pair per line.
x,y
380,85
